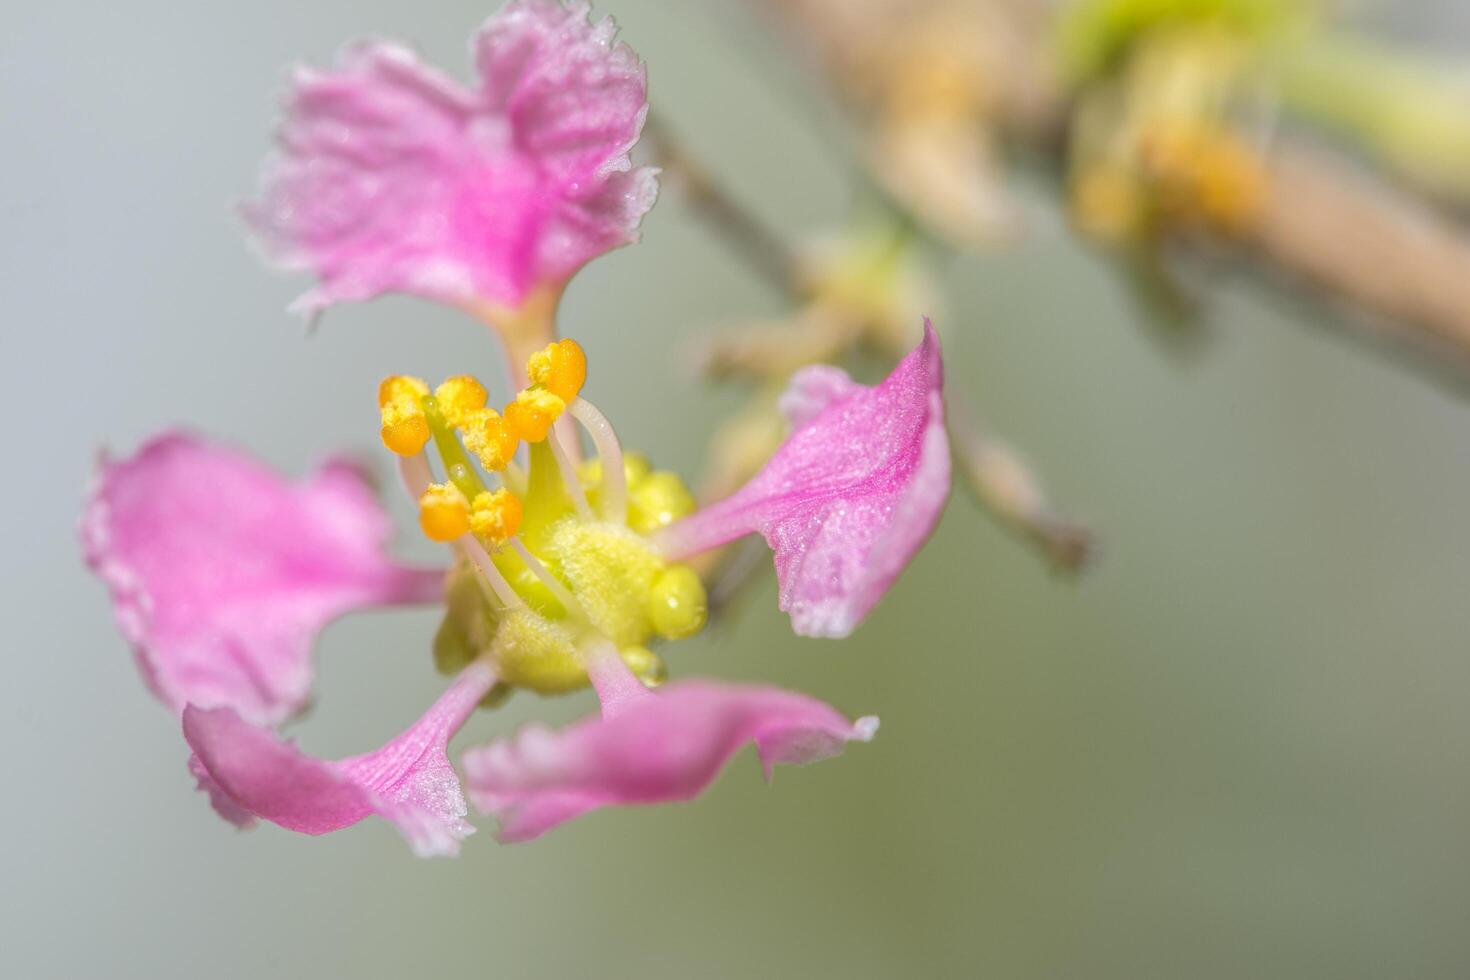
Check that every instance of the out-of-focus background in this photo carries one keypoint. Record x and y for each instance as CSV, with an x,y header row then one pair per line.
x,y
1238,745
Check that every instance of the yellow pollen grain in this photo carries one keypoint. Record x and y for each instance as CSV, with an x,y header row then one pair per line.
x,y
401,386
458,397
495,516
405,430
489,437
444,513
560,368
531,415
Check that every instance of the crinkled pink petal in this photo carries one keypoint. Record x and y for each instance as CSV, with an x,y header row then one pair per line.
x,y
221,572
249,772
662,748
849,497
393,177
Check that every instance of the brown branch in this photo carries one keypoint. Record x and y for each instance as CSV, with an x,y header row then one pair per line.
x,y
1006,487
1356,241
1368,246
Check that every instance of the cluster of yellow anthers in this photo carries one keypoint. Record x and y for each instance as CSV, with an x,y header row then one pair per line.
x,y
1204,170
558,557
445,513
1181,172
411,416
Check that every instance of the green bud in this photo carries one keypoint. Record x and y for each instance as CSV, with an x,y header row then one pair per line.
x,y
676,603
657,501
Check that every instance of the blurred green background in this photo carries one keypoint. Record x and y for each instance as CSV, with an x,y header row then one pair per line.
x,y
1236,748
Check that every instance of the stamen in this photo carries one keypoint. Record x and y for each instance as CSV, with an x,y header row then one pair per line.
x,y
532,413
514,478
490,437
486,565
457,465
560,368
404,429
414,474
495,517
553,584
569,475
397,386
614,490
458,397
444,513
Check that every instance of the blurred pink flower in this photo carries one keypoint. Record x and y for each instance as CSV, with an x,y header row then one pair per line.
x,y
221,572
648,747
848,498
392,177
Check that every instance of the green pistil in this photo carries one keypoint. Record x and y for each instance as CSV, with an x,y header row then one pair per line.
x,y
457,465
546,500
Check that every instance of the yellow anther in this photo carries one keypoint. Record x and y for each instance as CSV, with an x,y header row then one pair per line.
x,y
1202,170
444,513
459,397
496,516
531,415
677,606
405,430
488,436
560,368
400,386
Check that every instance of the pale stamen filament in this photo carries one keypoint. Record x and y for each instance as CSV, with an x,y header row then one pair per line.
x,y
414,473
568,474
614,482
483,562
513,478
561,592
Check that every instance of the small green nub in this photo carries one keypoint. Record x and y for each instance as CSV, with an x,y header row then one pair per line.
x,y
646,664
676,604
658,500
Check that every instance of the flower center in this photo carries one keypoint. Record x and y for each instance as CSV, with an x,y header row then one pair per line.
x,y
554,556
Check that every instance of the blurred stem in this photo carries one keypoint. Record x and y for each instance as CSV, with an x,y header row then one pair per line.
x,y
755,244
1411,112
1361,242
1005,486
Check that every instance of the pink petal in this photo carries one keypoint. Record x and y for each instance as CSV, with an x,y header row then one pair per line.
x,y
657,749
221,572
393,177
849,497
249,772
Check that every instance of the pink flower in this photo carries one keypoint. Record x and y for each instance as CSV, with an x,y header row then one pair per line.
x,y
648,747
249,773
394,177
848,498
221,572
